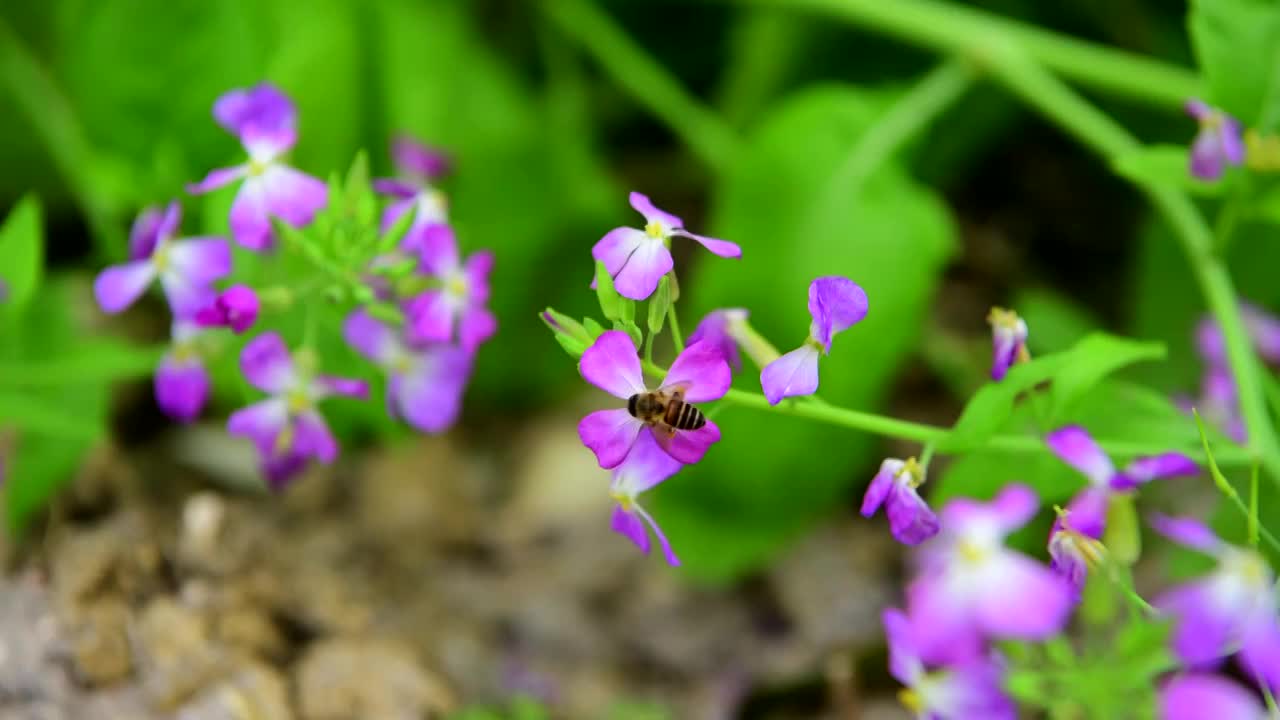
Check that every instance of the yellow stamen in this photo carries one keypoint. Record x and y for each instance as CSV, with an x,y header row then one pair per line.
x,y
970,552
654,229
911,700
915,474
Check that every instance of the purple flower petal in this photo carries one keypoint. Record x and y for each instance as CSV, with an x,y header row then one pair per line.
x,y
609,434
1165,465
1074,445
1260,654
723,248
293,196
1028,600
836,304
181,387
312,438
218,178
1264,328
617,246
715,330
688,446
200,260
701,371
395,188
1207,155
1087,512
437,248
329,385
370,337
1012,508
1203,626
476,326
643,270
281,468
266,363
263,107
431,317
261,422
1186,531
236,308
144,236
645,466
613,365
880,487
630,526
250,224
651,213
1067,557
1200,696
393,213
417,160
667,552
118,286
476,270
949,633
430,396
904,662
795,373
910,520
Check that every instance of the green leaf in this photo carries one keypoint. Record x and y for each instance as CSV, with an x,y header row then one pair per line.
x,y
93,361
34,414
1055,320
1094,358
1165,166
610,300
22,250
730,512
1237,45
990,408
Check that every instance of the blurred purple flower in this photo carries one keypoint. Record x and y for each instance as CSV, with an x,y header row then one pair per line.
x,y
287,427
722,330
425,384
971,587
637,259
181,381
186,268
1200,696
910,519
835,304
1232,608
968,689
265,121
1263,329
235,308
646,465
612,364
419,166
1008,339
1072,554
1217,145
1087,511
459,303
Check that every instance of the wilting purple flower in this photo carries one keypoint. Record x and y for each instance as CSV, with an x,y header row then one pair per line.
x,y
186,268
835,304
265,120
236,308
181,381
968,689
637,259
722,329
644,467
1263,329
1088,509
1201,696
425,384
700,374
419,166
1233,607
287,427
459,302
1008,339
1217,145
1072,554
972,587
910,519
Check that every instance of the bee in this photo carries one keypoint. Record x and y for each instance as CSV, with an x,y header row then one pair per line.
x,y
666,409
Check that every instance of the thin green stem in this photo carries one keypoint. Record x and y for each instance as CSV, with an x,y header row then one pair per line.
x,y
648,346
648,83
955,29
676,338
926,455
1224,225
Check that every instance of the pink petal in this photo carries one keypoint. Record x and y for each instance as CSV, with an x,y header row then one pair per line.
x,y
667,552
145,233
430,398
249,221
1024,600
723,248
261,422
1087,512
370,337
948,631
437,248
312,437
431,317
630,526
688,446
1012,508
1260,655
1203,627
617,246
1074,445
419,160
795,373
910,519
201,260
182,388
1165,465
880,486
187,299
476,326
476,269
329,385
639,277
701,371
645,466
1186,531
266,363
609,434
900,634
836,304
392,215
651,213
218,178
118,286
293,196
1200,696
612,364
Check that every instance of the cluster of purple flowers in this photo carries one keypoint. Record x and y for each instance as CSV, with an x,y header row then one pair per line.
x,y
427,358
1218,402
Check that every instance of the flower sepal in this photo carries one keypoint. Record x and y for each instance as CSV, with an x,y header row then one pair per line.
x,y
660,305
570,333
1123,536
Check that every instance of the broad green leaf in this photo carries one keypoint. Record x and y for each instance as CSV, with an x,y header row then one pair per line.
x,y
34,414
1237,45
770,476
1165,165
92,361
22,253
1055,321
1093,358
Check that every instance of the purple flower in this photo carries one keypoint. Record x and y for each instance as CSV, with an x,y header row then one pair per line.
x,y
1217,145
425,384
265,121
459,301
1231,608
968,689
236,308
1008,339
1263,329
637,259
181,381
419,166
699,374
1087,511
1073,554
972,587
645,466
910,519
287,427
722,329
1200,696
186,268
835,304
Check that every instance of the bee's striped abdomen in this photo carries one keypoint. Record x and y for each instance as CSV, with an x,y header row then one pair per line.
x,y
683,416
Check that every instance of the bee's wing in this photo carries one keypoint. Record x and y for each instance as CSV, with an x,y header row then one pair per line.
x,y
663,434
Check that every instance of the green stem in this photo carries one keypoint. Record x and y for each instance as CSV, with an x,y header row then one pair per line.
x,y
648,346
1076,115
955,29
648,83
1224,225
676,338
